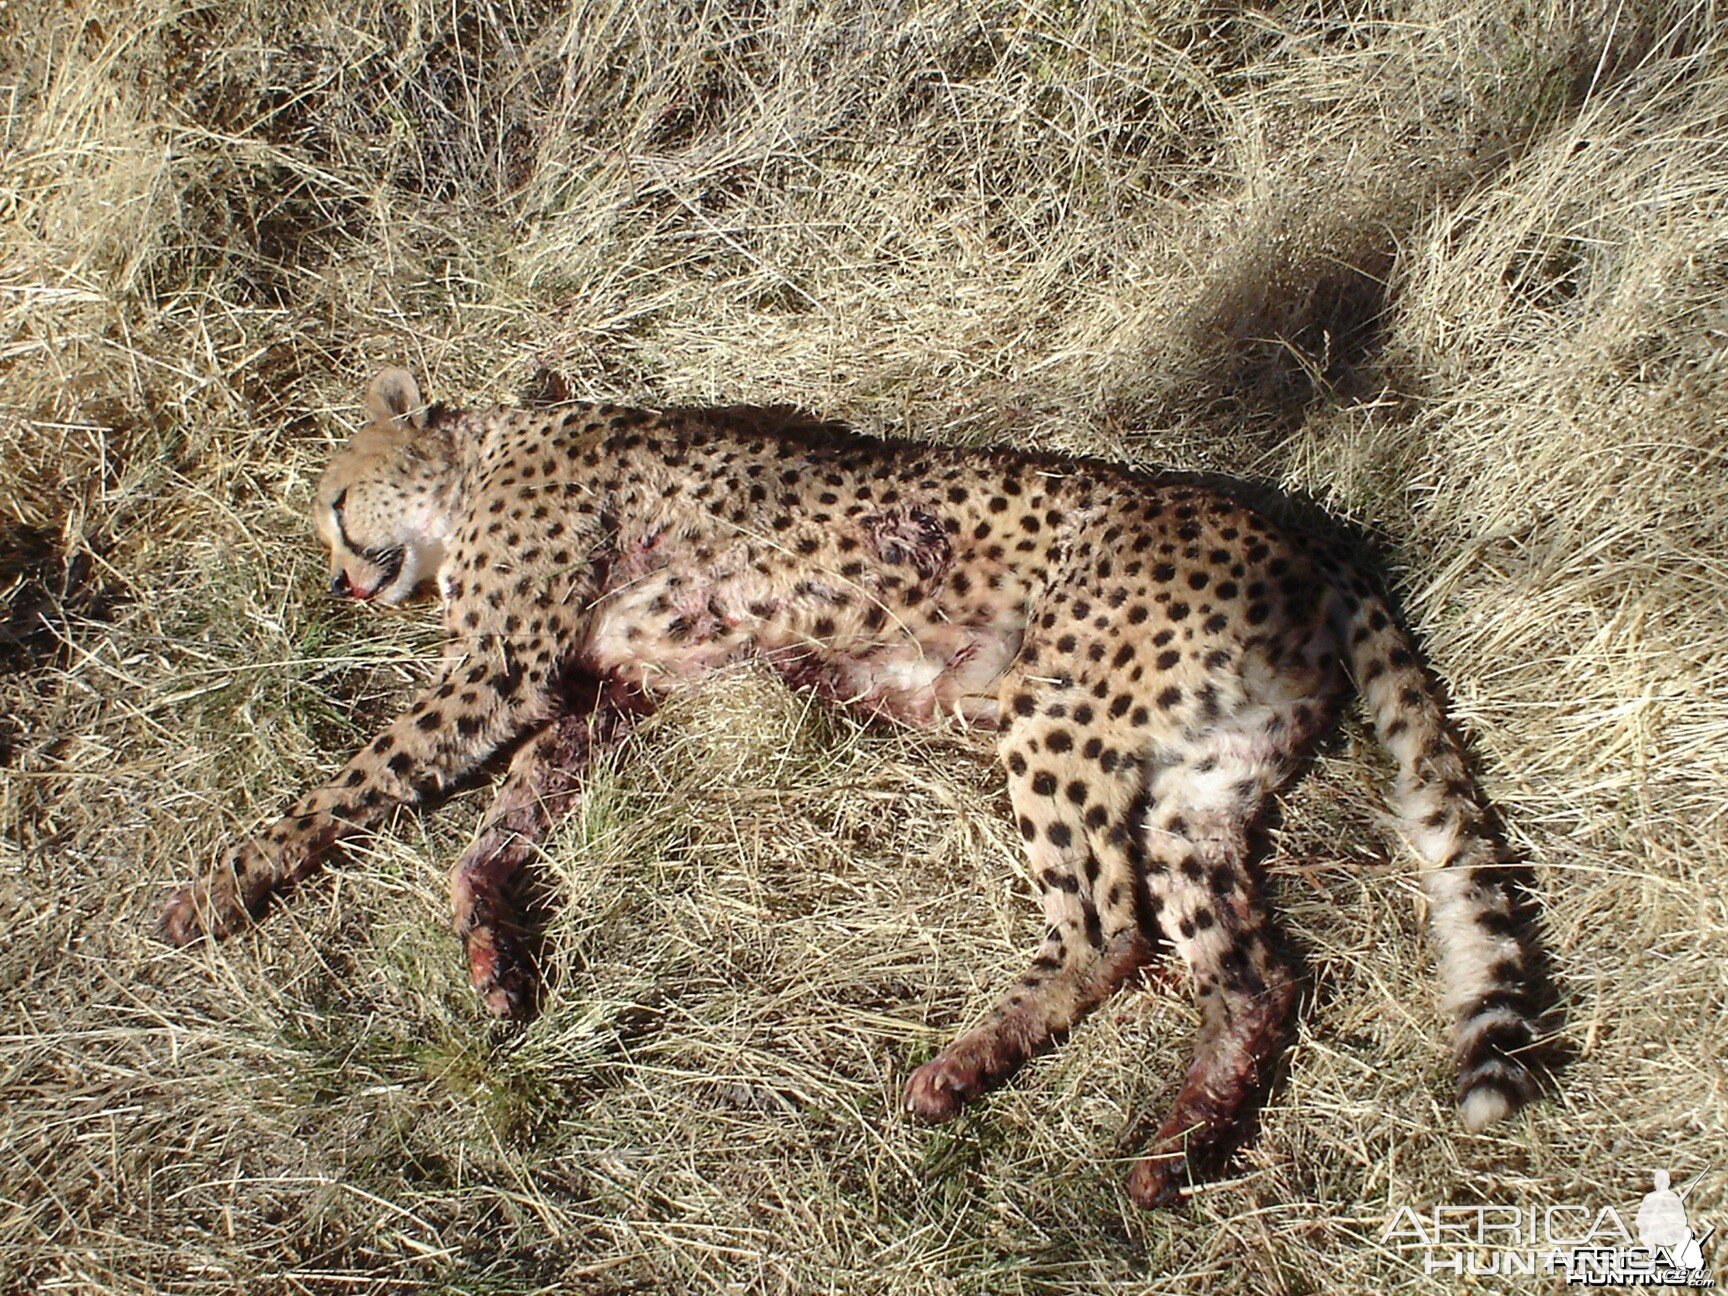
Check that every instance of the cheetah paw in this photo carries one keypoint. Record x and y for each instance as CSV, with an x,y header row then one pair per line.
x,y
936,1091
497,970
210,907
1155,1182
228,898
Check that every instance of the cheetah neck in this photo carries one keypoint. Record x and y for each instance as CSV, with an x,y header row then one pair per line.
x,y
450,452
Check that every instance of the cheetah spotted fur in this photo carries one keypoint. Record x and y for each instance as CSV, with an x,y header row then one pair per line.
x,y
1155,656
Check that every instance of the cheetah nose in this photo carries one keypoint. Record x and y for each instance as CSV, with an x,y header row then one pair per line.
x,y
342,587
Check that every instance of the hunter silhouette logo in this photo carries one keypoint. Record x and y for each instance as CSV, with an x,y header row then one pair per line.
x,y
1663,1228
1589,1247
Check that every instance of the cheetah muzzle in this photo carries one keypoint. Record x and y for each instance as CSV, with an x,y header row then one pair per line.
x,y
1155,656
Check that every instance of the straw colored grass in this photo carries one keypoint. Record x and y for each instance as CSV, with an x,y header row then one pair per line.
x,y
1458,270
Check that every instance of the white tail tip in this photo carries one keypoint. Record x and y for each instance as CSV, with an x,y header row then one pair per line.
x,y
1482,1107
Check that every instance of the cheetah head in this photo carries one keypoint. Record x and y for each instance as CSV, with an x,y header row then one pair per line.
x,y
382,504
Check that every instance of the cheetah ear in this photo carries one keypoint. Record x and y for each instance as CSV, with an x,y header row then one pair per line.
x,y
394,395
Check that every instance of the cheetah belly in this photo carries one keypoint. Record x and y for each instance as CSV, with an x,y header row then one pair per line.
x,y
668,625
941,670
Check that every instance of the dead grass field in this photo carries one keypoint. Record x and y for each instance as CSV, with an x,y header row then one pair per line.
x,y
1458,269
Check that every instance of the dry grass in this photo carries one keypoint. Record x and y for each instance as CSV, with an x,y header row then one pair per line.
x,y
1459,269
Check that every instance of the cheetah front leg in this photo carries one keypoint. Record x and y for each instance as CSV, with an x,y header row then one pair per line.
x,y
543,786
480,701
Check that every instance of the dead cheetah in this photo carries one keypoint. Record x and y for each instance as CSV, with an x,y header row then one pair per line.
x,y
1156,656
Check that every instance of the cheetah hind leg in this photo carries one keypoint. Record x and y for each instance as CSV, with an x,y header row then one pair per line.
x,y
1209,906
1095,943
544,784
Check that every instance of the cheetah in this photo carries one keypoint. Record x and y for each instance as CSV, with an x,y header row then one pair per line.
x,y
1155,656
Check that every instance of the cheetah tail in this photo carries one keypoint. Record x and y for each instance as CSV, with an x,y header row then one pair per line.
x,y
1486,962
